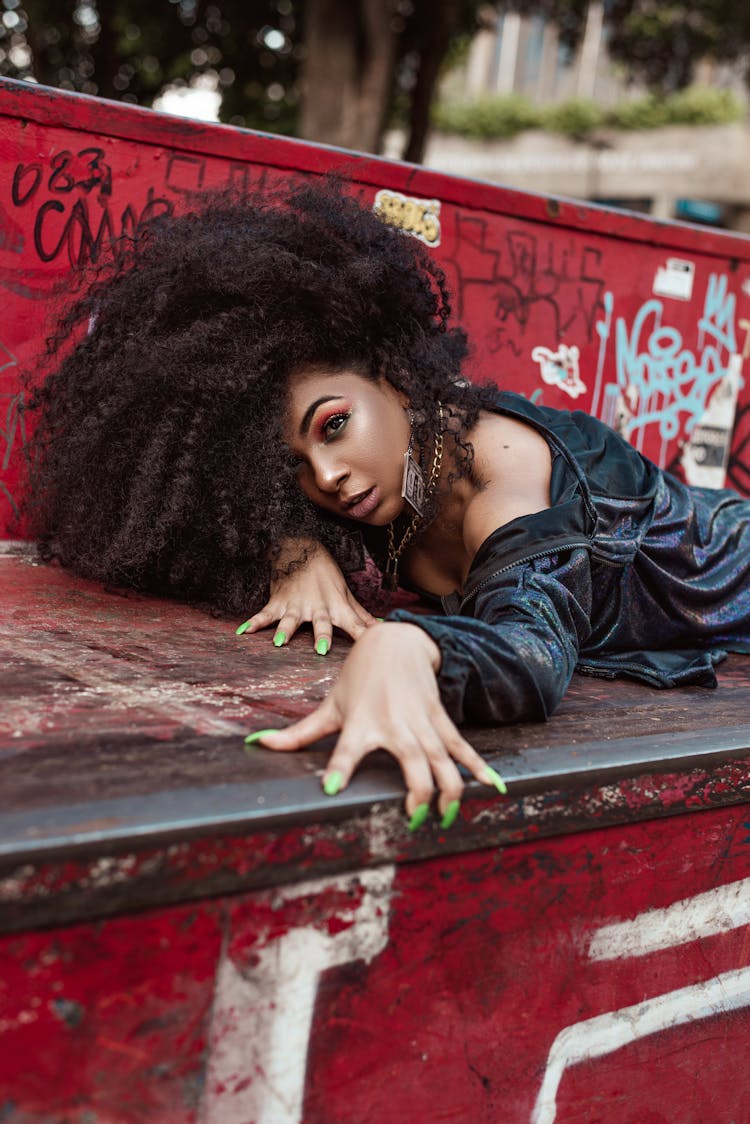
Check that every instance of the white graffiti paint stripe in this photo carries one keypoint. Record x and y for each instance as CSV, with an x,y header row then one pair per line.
x,y
603,328
596,1037
704,915
262,1018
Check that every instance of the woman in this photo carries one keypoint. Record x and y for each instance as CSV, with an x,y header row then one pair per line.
x,y
266,385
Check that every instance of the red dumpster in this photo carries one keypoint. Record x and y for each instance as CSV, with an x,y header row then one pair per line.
x,y
192,933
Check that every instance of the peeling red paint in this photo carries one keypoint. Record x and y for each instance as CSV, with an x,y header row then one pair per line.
x,y
487,959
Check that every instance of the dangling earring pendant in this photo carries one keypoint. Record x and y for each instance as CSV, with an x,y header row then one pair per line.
x,y
412,482
413,490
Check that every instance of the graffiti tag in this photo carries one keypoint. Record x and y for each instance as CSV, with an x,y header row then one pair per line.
x,y
673,383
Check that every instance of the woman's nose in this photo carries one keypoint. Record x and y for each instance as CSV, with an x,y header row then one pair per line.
x,y
329,472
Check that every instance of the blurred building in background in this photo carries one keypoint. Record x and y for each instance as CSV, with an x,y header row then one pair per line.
x,y
523,54
700,173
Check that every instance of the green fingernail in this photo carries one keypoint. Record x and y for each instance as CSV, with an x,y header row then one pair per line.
x,y
322,646
279,639
419,815
496,779
243,627
450,813
332,783
381,619
251,739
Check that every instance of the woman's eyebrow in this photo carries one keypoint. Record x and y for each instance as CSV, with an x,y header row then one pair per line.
x,y
308,416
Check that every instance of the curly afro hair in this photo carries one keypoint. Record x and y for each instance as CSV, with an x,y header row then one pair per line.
x,y
158,457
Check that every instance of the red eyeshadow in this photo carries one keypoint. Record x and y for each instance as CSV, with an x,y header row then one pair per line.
x,y
331,410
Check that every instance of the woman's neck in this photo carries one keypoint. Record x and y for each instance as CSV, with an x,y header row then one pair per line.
x,y
437,561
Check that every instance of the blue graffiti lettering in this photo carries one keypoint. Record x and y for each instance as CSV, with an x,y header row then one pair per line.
x,y
671,381
718,313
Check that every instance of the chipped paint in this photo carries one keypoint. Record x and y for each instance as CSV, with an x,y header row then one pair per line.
x,y
261,1076
207,1011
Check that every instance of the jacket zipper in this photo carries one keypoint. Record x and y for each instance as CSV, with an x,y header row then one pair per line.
x,y
512,565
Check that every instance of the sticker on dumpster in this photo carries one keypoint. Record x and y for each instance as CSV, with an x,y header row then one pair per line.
x,y
706,452
560,368
420,217
675,279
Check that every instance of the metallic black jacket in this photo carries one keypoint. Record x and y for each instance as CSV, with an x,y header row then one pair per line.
x,y
629,572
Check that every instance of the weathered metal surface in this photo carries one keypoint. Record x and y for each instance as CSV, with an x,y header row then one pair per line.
x,y
598,976
124,781
644,324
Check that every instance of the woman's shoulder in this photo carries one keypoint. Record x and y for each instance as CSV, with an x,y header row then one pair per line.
x,y
604,458
512,467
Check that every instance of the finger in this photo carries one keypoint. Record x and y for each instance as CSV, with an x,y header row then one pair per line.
x,y
343,761
447,777
419,784
350,623
322,633
361,612
460,750
319,724
286,629
349,751
262,619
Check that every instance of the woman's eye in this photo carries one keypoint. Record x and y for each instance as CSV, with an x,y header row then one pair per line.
x,y
334,425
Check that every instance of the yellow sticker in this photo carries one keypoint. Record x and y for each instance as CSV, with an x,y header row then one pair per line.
x,y
420,217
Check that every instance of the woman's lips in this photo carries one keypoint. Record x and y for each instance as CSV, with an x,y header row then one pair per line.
x,y
364,506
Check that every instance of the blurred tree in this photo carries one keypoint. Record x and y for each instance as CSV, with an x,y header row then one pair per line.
x,y
661,42
131,49
329,70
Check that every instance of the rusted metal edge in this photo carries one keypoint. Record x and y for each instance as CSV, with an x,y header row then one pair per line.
x,y
279,802
125,875
65,109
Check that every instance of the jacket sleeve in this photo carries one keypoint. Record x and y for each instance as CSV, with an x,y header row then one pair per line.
x,y
511,660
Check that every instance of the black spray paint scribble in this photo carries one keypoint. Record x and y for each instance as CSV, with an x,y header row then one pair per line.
x,y
74,216
551,284
83,237
72,197
64,173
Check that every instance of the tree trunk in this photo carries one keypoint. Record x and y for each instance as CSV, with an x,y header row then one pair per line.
x,y
347,74
433,46
104,54
40,15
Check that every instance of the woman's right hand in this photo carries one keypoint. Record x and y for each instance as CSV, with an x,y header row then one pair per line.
x,y
316,592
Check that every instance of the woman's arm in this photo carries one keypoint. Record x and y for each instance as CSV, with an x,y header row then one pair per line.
x,y
316,592
512,659
408,682
387,697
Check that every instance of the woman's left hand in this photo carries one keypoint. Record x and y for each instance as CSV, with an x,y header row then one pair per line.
x,y
387,697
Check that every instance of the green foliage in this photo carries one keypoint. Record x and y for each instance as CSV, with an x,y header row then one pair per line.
x,y
574,117
253,51
697,105
703,105
648,112
500,118
487,117
130,49
660,42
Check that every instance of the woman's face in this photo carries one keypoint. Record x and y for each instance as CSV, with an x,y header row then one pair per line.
x,y
350,434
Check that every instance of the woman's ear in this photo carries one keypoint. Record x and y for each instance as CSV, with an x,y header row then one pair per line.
x,y
401,396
